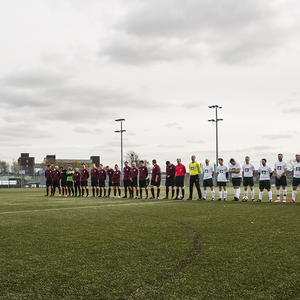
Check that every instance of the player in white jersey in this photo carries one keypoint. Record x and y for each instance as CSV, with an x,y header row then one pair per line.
x,y
280,169
248,171
296,177
222,174
265,173
236,175
208,173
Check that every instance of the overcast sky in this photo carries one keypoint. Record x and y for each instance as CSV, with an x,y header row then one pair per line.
x,y
69,68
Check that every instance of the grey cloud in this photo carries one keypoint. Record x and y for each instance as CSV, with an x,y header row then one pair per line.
x,y
228,31
192,104
293,110
87,130
195,142
276,137
173,126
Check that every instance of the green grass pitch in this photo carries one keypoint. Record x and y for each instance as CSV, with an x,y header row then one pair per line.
x,y
106,248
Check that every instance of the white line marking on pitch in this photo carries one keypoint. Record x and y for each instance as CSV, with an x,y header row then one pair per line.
x,y
82,207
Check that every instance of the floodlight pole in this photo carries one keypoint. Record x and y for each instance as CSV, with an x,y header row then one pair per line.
x,y
121,131
217,134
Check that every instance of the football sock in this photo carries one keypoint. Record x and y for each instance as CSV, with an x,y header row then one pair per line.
x,y
245,193
119,192
125,191
87,192
167,192
115,192
177,193
63,191
72,191
53,193
173,192
182,193
141,193
100,192
93,191
260,195
152,192
146,192
234,192
213,194
238,192
204,193
294,195
270,195
97,192
109,192
278,194
158,191
52,190
220,195
225,194
104,191
284,194
59,189
47,191
82,191
252,194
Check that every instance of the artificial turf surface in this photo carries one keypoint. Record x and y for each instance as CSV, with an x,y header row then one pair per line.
x,y
106,248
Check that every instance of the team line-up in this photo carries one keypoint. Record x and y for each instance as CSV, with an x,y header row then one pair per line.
x,y
75,182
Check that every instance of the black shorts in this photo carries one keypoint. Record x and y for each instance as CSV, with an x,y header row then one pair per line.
x,y
236,181
49,183
116,184
248,181
296,181
70,184
221,183
101,182
94,181
83,183
264,184
55,183
170,181
77,184
208,182
134,182
110,183
127,183
155,183
142,183
179,181
64,183
281,181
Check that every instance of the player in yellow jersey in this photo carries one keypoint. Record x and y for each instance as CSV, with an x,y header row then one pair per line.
x,y
195,171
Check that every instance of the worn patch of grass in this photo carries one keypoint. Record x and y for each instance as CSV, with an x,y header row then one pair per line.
x,y
99,248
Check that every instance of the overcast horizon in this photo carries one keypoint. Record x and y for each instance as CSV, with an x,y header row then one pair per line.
x,y
70,68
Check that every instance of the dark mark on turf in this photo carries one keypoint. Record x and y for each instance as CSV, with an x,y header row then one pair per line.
x,y
184,263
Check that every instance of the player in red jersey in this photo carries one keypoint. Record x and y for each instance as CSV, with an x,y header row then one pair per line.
x,y
56,179
142,179
133,178
102,177
84,180
179,180
116,181
110,173
170,179
155,179
76,179
127,182
94,179
49,183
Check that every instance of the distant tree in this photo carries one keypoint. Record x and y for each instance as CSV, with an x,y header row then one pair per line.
x,y
15,167
4,167
290,164
131,157
47,162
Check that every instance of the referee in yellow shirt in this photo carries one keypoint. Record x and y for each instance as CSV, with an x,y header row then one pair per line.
x,y
195,170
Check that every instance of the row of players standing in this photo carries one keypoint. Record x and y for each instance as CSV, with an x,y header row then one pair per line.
x,y
75,183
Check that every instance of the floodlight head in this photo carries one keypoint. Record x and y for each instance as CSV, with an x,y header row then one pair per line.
x,y
119,120
117,131
211,120
210,106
